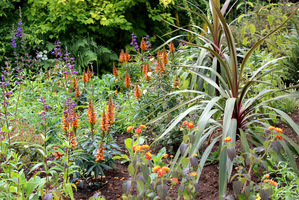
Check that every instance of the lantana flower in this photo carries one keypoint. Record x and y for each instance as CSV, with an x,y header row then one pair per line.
x,y
148,155
227,139
130,128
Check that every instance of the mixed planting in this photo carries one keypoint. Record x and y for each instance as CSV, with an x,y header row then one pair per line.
x,y
199,93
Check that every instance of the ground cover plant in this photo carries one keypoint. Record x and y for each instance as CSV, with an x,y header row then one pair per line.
x,y
199,99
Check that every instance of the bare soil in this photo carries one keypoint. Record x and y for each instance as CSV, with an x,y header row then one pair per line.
x,y
208,181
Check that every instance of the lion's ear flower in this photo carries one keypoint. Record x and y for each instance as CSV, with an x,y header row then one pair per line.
x,y
130,128
227,139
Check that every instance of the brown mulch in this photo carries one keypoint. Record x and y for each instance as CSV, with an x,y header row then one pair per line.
x,y
208,181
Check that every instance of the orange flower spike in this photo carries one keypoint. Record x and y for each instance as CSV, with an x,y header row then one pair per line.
x,y
78,93
75,83
89,74
164,56
122,56
227,139
114,71
127,80
143,45
104,123
176,82
75,123
91,113
171,47
85,78
110,111
65,125
127,56
137,92
100,153
148,155
144,68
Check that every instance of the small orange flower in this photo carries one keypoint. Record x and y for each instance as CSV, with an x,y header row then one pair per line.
x,y
148,155
57,155
145,146
142,127
116,91
167,169
193,174
174,181
266,175
161,173
138,131
271,128
194,155
156,168
165,155
142,45
279,137
190,125
130,128
138,148
267,180
279,130
227,139
171,47
274,183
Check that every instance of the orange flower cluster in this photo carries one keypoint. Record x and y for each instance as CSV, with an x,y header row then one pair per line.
x,y
137,92
176,82
161,171
100,153
279,130
171,47
140,147
65,124
274,183
193,174
142,45
57,155
87,76
279,137
104,122
124,57
127,80
91,113
110,111
114,71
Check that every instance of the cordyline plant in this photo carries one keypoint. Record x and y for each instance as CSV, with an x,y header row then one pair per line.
x,y
233,110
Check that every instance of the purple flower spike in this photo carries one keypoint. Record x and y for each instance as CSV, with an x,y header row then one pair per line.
x,y
75,72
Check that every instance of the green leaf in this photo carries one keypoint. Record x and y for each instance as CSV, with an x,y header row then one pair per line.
x,y
131,169
140,187
270,19
252,29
